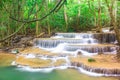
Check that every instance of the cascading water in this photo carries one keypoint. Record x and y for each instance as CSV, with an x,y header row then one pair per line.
x,y
51,43
73,44
91,48
69,42
101,37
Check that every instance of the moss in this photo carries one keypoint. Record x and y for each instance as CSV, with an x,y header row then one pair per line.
x,y
91,60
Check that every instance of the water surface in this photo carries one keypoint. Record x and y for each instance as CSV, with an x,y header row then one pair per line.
x,y
12,73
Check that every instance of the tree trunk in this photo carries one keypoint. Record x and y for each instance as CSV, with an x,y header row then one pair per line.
x,y
65,17
116,29
49,28
48,24
114,23
78,17
37,23
115,11
99,17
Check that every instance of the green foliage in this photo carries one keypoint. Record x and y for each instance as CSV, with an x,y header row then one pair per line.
x,y
56,21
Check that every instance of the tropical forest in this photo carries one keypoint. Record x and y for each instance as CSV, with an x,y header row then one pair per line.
x,y
59,39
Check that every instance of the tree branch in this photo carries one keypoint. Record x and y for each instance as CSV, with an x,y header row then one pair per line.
x,y
26,21
60,5
13,33
34,20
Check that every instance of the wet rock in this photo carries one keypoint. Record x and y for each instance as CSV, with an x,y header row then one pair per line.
x,y
97,70
100,53
17,39
15,51
111,29
79,53
22,42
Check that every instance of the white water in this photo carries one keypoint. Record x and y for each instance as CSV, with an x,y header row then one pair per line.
x,y
107,30
95,74
13,63
44,70
27,68
85,53
60,48
90,73
50,69
30,56
75,36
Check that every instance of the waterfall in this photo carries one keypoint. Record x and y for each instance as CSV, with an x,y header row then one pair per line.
x,y
68,45
51,43
91,48
79,43
101,37
71,42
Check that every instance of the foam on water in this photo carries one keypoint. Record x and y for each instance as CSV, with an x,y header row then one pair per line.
x,y
61,67
113,52
112,75
13,63
85,53
27,68
30,56
83,36
75,53
59,48
44,70
48,70
73,35
105,31
94,74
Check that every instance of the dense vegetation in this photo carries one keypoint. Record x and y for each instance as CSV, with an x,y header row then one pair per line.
x,y
32,17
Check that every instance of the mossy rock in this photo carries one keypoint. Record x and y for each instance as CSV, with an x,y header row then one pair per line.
x,y
16,51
